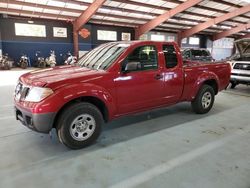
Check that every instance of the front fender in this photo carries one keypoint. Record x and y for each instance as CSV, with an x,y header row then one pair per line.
x,y
68,93
205,76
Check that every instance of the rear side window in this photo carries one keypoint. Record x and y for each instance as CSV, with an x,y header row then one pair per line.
x,y
170,56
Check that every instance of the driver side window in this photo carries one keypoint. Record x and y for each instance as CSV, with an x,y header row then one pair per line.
x,y
145,56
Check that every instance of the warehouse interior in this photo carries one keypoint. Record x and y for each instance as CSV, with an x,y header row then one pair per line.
x,y
163,147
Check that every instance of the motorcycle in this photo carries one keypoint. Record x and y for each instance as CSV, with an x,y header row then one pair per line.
x,y
51,60
4,62
24,61
70,59
40,61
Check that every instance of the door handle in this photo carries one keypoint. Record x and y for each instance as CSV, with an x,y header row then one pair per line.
x,y
158,76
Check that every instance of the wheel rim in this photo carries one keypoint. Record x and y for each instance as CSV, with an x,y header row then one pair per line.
x,y
206,100
82,127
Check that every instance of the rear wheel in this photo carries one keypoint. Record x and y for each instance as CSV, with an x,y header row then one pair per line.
x,y
204,100
79,125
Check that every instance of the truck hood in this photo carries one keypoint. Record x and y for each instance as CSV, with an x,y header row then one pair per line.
x,y
243,47
57,76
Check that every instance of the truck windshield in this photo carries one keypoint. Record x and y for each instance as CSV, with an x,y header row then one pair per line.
x,y
103,56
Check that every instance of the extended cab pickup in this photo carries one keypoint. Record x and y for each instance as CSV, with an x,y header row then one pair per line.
x,y
110,81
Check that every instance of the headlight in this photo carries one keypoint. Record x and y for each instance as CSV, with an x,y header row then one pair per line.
x,y
36,94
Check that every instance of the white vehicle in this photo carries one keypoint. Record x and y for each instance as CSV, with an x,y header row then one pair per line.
x,y
51,60
240,63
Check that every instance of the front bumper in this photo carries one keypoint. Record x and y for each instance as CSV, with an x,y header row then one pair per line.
x,y
240,78
38,122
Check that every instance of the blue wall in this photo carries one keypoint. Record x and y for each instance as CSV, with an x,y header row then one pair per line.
x,y
15,46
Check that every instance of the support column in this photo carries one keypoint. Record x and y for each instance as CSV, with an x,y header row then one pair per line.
x,y
75,41
136,34
179,38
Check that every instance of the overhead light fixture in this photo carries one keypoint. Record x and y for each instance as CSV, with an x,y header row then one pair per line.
x,y
226,27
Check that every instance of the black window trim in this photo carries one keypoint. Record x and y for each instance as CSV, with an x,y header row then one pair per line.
x,y
157,59
165,64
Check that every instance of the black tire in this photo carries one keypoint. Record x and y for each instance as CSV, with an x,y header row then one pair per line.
x,y
197,104
233,85
69,115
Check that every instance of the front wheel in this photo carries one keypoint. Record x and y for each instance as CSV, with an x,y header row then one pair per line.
x,y
204,100
79,125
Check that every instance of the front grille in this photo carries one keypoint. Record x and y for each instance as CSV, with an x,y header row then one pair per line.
x,y
242,66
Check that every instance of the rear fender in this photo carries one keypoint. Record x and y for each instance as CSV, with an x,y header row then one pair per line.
x,y
205,76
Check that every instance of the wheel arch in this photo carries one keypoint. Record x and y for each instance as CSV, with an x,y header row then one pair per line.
x,y
208,78
213,83
90,99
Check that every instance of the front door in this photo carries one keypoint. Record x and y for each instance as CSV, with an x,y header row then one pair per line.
x,y
141,88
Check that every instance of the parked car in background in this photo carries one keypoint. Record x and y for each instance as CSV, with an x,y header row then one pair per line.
x,y
240,63
113,80
194,55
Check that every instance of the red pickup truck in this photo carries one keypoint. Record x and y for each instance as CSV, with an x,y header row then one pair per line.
x,y
110,81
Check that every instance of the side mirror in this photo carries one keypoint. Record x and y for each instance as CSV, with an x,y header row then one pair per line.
x,y
132,66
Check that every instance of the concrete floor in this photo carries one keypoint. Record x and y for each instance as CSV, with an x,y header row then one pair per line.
x,y
171,147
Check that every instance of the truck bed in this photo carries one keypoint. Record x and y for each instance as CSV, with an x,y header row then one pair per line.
x,y
198,71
